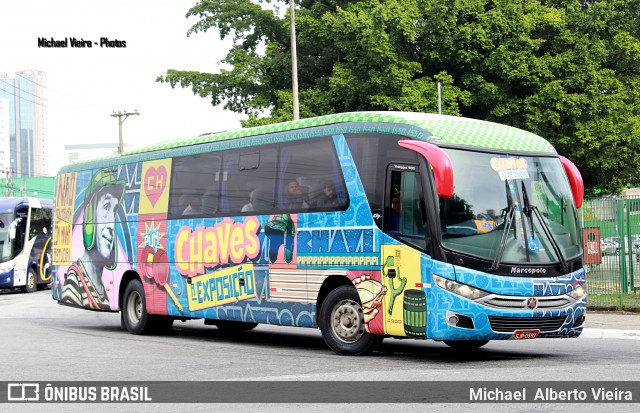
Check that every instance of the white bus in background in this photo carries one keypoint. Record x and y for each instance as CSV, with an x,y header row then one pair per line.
x,y
25,235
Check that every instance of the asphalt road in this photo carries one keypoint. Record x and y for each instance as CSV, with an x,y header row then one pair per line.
x,y
43,341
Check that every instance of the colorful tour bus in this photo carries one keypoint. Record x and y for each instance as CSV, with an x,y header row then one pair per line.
x,y
365,225
25,235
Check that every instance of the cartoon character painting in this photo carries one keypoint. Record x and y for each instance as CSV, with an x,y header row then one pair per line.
x,y
83,284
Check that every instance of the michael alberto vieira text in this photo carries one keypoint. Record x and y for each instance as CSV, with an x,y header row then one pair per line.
x,y
546,394
79,43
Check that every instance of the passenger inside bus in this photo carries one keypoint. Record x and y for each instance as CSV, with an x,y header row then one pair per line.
x,y
295,196
190,204
395,210
249,207
325,196
205,205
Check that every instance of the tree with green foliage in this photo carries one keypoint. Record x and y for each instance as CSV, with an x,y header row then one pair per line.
x,y
568,70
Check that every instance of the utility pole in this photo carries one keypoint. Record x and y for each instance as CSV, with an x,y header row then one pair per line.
x,y
294,63
122,116
9,189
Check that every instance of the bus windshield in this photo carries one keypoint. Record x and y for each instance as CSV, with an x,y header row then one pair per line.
x,y
6,247
510,209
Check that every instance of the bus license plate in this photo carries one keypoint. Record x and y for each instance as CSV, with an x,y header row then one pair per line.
x,y
525,334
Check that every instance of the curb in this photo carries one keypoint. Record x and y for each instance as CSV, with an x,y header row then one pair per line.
x,y
610,333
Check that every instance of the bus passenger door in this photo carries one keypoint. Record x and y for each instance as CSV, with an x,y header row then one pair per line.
x,y
405,306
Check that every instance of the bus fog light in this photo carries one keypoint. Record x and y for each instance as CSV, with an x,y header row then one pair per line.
x,y
453,320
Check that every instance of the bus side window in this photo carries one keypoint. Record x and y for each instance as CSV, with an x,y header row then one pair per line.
x,y
305,168
248,181
193,176
40,221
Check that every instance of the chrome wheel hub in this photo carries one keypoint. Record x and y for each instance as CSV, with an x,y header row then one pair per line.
x,y
347,321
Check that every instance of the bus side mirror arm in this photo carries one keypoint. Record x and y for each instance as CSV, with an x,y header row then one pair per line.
x,y
440,162
12,228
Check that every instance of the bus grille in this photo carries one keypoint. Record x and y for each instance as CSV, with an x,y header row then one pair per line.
x,y
511,324
498,301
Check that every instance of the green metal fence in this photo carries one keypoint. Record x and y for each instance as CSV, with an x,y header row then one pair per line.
x,y
613,281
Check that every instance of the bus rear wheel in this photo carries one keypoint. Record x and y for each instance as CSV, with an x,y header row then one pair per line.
x,y
341,321
135,317
31,284
465,344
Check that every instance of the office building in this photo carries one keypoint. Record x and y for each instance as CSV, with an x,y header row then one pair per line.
x,y
4,135
27,125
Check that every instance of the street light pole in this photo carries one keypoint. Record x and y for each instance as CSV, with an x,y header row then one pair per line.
x,y
122,116
294,63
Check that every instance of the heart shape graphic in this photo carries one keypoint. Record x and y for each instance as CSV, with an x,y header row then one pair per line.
x,y
155,182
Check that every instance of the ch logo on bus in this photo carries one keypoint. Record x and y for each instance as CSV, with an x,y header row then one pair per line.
x,y
532,303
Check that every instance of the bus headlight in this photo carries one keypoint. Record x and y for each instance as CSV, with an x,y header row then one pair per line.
x,y
577,293
463,290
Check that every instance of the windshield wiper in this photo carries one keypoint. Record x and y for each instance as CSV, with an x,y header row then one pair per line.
x,y
510,213
530,211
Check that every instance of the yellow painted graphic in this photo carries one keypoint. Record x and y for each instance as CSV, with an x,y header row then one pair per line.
x,y
225,286
154,188
63,222
404,303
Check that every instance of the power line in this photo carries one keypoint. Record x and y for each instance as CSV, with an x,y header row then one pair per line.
x,y
61,94
22,97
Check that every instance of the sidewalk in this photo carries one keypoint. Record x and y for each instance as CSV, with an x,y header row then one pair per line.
x,y
611,325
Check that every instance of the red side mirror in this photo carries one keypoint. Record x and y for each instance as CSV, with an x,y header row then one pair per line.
x,y
440,162
575,180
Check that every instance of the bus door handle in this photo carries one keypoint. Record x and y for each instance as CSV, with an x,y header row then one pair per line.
x,y
391,273
241,282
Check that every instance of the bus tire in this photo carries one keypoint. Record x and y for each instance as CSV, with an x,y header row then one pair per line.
x,y
465,344
135,317
341,321
31,284
234,326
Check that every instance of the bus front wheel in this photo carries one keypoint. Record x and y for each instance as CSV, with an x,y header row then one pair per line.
x,y
31,284
341,321
135,317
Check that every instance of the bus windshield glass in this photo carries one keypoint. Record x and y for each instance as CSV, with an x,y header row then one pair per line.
x,y
6,248
510,209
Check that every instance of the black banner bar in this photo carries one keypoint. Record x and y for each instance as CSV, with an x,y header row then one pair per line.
x,y
320,392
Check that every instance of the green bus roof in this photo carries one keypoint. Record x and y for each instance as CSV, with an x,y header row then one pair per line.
x,y
439,129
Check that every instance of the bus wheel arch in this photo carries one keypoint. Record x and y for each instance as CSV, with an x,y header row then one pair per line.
x,y
127,277
330,283
133,305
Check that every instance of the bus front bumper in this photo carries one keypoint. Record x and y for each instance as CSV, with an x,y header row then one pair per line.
x,y
457,318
